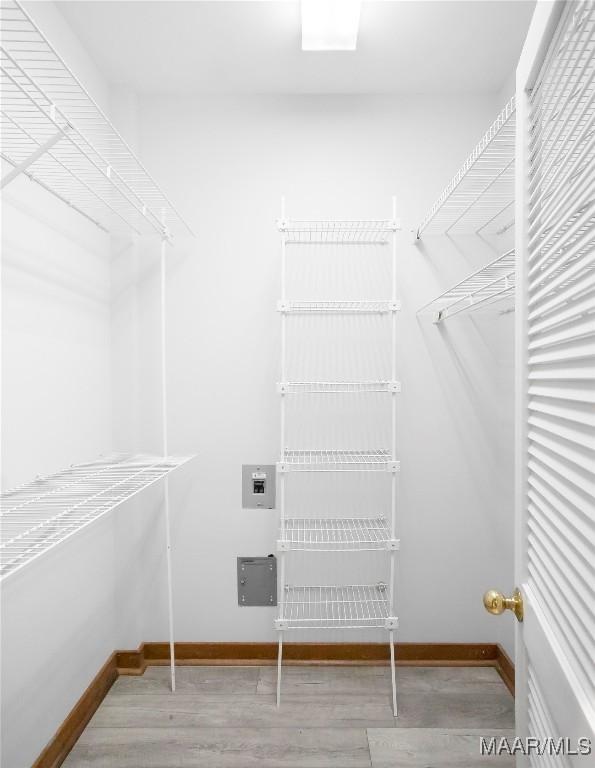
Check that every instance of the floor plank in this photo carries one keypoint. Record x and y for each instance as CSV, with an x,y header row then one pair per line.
x,y
326,680
376,680
447,679
309,710
468,709
330,717
220,748
228,680
433,748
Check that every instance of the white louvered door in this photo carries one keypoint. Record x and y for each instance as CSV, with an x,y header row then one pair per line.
x,y
555,487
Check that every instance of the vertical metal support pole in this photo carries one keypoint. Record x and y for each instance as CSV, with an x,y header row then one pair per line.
x,y
393,522
281,594
391,641
172,659
279,667
393,400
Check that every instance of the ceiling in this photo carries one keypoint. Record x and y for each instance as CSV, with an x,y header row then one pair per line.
x,y
404,46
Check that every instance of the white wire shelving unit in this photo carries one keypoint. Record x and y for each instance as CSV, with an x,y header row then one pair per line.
x,y
53,132
37,516
353,606
489,285
315,534
348,232
481,194
370,460
337,606
336,387
338,307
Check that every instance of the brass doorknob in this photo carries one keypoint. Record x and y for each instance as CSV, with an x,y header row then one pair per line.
x,y
495,602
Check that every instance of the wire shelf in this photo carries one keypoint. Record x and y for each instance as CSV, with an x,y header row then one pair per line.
x,y
482,191
53,132
338,307
489,285
354,232
335,534
337,461
37,516
336,387
335,607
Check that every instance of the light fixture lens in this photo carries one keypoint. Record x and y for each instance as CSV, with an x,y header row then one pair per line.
x,y
330,25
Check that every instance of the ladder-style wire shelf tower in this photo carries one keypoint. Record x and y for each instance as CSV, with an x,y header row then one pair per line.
x,y
331,606
54,133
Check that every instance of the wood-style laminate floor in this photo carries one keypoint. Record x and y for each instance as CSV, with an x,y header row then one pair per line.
x,y
330,717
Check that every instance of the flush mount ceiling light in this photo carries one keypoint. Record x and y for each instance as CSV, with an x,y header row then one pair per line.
x,y
330,25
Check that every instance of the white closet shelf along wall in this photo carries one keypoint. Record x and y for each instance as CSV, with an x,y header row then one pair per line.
x,y
38,515
488,285
337,606
480,195
55,134
479,199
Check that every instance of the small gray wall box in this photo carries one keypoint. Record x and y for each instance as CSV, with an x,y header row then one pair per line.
x,y
257,580
258,486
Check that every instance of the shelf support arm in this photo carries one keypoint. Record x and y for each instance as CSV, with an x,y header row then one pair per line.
x,y
41,150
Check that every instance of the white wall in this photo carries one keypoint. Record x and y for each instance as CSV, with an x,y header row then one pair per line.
x,y
229,160
58,615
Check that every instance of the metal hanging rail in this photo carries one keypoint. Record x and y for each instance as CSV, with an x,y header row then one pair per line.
x,y
54,133
482,191
486,286
37,516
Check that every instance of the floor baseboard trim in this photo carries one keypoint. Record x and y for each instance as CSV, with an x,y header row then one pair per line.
x,y
75,723
505,668
245,654
135,662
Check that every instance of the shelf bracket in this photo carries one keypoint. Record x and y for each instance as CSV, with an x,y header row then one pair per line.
x,y
392,622
280,624
393,545
41,150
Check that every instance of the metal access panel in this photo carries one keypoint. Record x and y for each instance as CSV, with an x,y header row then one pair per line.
x,y
258,486
257,580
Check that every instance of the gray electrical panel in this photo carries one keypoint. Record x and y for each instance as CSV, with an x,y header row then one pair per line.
x,y
258,486
257,580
